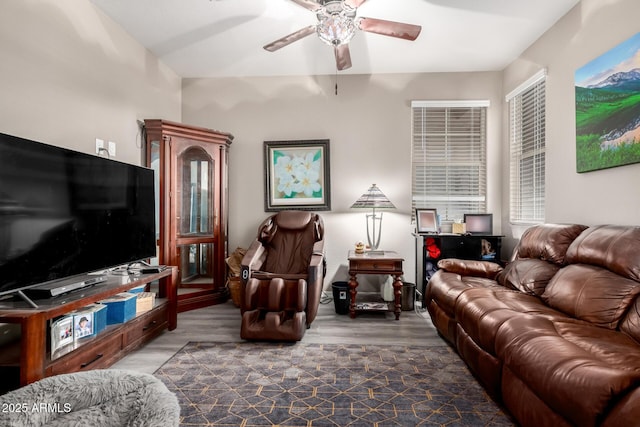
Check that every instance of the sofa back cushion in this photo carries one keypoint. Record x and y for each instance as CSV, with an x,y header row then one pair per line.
x,y
530,276
289,238
591,293
614,247
548,242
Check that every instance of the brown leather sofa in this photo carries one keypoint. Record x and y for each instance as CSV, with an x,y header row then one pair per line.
x,y
282,274
555,335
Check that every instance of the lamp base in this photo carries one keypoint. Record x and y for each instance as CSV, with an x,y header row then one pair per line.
x,y
375,241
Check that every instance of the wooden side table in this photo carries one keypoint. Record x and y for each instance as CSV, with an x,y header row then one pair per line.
x,y
376,262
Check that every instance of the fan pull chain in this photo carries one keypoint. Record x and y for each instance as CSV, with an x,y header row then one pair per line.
x,y
336,81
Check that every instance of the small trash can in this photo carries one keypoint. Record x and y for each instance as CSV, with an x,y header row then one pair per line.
x,y
408,295
341,297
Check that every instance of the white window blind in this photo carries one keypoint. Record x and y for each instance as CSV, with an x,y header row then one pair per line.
x,y
527,142
449,167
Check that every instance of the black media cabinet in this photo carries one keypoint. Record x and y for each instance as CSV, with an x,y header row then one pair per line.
x,y
461,246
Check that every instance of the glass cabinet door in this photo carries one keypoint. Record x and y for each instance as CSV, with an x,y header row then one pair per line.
x,y
197,182
195,213
196,265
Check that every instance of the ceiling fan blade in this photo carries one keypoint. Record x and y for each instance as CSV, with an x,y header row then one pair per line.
x,y
343,57
390,28
312,5
354,3
295,36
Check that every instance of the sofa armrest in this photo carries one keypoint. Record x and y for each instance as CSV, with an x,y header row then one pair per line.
x,y
252,260
315,281
317,261
464,267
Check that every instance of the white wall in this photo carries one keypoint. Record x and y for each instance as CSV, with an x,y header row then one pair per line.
x,y
607,196
69,75
369,127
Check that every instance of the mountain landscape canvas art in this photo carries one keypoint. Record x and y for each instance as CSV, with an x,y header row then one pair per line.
x,y
608,108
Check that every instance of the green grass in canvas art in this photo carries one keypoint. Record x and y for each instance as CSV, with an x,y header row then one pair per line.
x,y
607,99
602,113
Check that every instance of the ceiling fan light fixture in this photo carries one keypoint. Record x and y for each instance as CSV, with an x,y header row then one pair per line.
x,y
336,30
336,24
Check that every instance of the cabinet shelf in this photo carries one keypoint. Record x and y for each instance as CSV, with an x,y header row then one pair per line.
x,y
31,355
372,302
159,305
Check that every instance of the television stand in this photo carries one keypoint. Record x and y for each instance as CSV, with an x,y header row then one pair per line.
x,y
29,359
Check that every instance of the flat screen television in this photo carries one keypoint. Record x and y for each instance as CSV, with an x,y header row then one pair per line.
x,y
481,224
64,213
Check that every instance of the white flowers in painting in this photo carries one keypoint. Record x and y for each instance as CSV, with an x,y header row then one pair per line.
x,y
298,175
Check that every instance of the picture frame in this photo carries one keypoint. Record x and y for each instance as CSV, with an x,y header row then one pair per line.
x,y
426,220
61,335
83,324
297,175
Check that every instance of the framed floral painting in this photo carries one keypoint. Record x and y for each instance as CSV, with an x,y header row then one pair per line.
x,y
297,175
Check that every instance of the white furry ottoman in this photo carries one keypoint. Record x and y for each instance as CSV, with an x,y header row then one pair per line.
x,y
92,398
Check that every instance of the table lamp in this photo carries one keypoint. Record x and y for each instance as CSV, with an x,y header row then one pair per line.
x,y
373,199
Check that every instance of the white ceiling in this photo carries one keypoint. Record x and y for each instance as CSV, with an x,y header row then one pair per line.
x,y
217,38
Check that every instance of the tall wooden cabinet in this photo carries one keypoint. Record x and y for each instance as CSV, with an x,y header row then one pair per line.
x,y
190,165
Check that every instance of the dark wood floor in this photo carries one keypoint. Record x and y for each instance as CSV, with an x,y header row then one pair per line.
x,y
221,323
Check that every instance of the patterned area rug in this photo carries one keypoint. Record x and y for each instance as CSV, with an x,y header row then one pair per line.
x,y
275,384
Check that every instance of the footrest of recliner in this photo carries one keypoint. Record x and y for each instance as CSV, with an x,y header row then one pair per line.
x,y
274,310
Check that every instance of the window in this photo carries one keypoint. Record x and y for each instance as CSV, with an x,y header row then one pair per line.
x,y
527,148
449,167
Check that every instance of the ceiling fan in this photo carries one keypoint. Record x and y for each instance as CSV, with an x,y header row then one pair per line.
x,y
337,24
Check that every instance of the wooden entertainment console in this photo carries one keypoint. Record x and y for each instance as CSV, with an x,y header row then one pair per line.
x,y
31,355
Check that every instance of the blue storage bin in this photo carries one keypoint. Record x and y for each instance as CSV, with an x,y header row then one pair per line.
x,y
99,317
137,289
120,307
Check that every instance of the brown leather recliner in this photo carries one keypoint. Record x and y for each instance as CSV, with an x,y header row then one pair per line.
x,y
282,276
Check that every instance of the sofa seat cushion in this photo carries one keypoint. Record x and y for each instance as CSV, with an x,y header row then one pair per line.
x,y
579,370
481,312
592,294
445,288
530,276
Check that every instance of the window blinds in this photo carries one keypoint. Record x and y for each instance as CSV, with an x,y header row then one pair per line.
x,y
449,141
527,149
